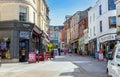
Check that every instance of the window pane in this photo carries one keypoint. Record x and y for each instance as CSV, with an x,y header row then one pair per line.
x,y
112,22
100,9
23,14
100,26
111,5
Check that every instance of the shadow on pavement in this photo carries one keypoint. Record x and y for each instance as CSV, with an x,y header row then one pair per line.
x,y
77,73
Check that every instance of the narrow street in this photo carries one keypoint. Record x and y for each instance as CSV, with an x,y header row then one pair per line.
x,y
62,66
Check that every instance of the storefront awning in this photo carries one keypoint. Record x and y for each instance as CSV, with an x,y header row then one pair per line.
x,y
36,30
47,40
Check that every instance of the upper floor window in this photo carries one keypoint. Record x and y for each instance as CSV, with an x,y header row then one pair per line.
x,y
90,19
23,15
100,9
94,17
90,32
111,5
100,26
94,30
112,22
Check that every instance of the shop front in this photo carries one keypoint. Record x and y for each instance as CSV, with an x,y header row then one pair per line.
x,y
81,45
37,40
107,43
92,47
15,40
75,46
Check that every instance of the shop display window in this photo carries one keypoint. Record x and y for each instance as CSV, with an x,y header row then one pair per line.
x,y
5,48
3,45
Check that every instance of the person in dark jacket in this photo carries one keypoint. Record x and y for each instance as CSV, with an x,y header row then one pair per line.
x,y
59,51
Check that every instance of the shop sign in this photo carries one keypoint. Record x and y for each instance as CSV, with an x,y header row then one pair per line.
x,y
107,38
24,34
93,40
26,25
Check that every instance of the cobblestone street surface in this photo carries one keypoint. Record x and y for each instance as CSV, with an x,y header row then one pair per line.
x,y
62,66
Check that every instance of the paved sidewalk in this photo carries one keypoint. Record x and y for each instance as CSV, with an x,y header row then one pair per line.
x,y
88,64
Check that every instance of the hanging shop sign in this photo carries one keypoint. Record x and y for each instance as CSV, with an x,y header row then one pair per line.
x,y
107,37
24,34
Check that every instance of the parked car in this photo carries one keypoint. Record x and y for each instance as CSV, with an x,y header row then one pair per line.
x,y
113,66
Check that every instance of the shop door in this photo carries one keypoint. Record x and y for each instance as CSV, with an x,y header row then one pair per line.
x,y
23,50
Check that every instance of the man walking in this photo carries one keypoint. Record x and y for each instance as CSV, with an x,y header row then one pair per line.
x,y
59,51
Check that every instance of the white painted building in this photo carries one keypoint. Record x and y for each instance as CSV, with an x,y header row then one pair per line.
x,y
102,24
92,16
118,17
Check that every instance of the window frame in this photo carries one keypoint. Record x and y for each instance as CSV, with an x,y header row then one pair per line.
x,y
100,23
111,5
111,24
20,12
100,9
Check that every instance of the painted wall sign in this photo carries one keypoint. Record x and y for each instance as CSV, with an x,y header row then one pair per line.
x,y
24,34
107,37
26,25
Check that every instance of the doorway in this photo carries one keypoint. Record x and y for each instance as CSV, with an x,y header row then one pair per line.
x,y
23,50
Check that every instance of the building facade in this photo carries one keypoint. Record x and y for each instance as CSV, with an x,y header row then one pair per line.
x,y
92,30
74,27
83,26
22,19
102,26
55,35
62,38
83,38
74,31
68,30
118,18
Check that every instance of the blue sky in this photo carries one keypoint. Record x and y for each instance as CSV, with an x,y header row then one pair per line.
x,y
60,8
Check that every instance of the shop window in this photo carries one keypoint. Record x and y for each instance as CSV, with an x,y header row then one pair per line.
x,y
5,48
112,22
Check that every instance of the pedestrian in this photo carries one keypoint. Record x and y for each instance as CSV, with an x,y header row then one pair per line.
x,y
37,55
23,54
70,52
59,51
78,53
65,51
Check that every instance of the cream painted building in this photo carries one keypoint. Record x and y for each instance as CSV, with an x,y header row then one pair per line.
x,y
25,10
43,15
25,24
34,11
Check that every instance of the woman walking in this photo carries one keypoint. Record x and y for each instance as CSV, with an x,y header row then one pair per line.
x,y
65,51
